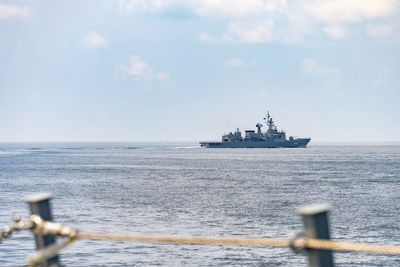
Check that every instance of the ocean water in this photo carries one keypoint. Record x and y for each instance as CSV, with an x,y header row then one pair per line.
x,y
182,189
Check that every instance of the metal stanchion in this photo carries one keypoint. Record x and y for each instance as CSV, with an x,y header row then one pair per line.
x,y
315,220
40,204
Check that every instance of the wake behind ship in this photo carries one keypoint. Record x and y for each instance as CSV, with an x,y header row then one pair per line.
x,y
272,138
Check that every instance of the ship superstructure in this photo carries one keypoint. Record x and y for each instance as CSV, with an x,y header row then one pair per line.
x,y
270,139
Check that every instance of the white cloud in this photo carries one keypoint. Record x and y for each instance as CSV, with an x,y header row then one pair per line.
x,y
265,21
235,8
335,32
130,6
263,93
140,70
345,11
162,76
10,11
94,40
207,8
237,62
234,62
379,30
204,37
259,31
308,65
311,67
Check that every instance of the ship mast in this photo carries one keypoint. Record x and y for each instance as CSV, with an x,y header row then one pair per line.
x,y
270,121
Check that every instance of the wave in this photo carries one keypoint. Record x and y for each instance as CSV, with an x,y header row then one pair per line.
x,y
14,152
185,147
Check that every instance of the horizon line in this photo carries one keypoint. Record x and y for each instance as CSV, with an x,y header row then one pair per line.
x,y
192,141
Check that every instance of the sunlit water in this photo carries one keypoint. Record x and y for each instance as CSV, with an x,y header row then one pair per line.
x,y
181,189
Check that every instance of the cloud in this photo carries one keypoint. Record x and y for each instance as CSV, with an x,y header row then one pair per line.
x,y
263,93
234,8
234,62
266,21
92,40
206,38
311,67
14,11
308,65
344,11
237,62
131,6
162,76
260,31
205,8
335,32
379,30
140,70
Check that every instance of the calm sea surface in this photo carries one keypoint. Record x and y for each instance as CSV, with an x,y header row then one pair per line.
x,y
181,189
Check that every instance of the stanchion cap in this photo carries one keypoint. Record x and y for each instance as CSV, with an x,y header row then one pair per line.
x,y
314,209
38,197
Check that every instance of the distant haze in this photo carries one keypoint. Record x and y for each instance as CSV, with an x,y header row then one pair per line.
x,y
169,70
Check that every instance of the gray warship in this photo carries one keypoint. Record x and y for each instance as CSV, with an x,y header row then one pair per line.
x,y
272,138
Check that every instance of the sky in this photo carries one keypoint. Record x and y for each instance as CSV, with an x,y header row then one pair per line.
x,y
191,70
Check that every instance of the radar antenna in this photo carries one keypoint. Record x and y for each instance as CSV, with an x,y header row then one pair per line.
x,y
259,125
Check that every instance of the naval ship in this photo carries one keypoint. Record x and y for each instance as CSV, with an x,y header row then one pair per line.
x,y
270,139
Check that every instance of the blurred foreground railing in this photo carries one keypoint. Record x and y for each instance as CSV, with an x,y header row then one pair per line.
x,y
314,239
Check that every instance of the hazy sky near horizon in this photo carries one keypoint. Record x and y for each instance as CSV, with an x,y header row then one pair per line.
x,y
173,70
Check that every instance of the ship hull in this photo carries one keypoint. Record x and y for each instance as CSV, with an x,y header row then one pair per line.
x,y
299,142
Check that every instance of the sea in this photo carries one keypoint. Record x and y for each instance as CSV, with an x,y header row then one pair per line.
x,y
184,190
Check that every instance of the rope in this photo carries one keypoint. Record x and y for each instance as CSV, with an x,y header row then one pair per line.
x,y
17,225
47,253
40,227
275,242
349,246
